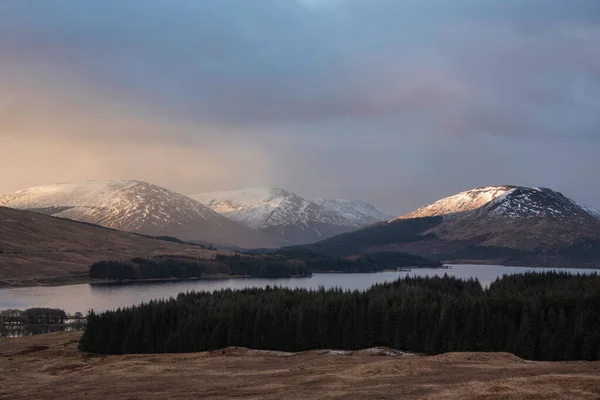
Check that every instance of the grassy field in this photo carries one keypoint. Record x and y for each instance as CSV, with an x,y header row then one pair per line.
x,y
50,367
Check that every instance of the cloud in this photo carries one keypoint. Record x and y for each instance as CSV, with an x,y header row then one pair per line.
x,y
320,4
278,92
228,63
188,169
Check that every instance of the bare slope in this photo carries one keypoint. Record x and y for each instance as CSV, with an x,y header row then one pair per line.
x,y
36,248
49,367
138,207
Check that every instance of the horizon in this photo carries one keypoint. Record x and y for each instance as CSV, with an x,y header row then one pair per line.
x,y
221,192
394,103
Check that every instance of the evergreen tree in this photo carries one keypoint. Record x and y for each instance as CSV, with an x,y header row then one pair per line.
x,y
548,316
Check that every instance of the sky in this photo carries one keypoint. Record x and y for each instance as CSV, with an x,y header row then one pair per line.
x,y
394,102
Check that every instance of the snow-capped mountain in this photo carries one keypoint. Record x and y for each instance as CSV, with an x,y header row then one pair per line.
x,y
510,201
510,225
517,216
288,216
356,212
135,206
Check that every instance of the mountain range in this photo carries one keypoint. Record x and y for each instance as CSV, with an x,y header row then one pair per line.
x,y
137,207
246,218
290,217
509,225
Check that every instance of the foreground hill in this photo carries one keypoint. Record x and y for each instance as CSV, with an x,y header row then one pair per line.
x,y
36,248
500,224
49,367
290,217
138,207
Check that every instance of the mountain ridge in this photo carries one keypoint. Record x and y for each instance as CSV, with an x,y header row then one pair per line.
x,y
136,206
286,215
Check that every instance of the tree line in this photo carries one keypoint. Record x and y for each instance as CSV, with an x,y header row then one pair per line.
x,y
282,264
169,267
548,316
34,316
14,323
369,262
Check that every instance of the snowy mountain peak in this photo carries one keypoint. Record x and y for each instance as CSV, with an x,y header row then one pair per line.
x,y
469,200
288,215
236,200
122,204
67,194
536,202
509,201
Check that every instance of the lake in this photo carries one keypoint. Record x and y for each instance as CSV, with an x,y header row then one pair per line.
x,y
72,298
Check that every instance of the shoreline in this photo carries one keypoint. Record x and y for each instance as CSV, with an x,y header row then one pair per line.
x,y
69,280
210,277
79,279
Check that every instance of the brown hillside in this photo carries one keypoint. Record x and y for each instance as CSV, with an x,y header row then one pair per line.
x,y
36,248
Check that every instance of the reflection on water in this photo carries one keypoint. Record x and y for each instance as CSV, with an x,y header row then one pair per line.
x,y
74,298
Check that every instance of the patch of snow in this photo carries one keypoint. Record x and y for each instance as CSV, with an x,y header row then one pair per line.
x,y
592,211
357,212
462,202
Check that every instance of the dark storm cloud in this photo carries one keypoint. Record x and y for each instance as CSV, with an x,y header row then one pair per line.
x,y
396,89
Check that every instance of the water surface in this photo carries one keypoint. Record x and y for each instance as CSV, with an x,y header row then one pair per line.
x,y
72,298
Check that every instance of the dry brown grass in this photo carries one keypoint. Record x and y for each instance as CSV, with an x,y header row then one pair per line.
x,y
60,371
37,249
